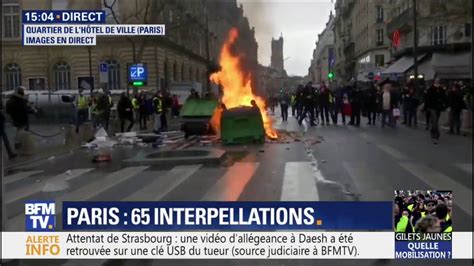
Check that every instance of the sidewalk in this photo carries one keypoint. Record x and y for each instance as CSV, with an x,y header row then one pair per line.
x,y
52,141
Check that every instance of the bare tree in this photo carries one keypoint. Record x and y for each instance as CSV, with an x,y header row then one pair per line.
x,y
139,13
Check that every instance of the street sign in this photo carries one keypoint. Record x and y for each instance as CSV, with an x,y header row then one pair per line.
x,y
137,74
103,70
86,83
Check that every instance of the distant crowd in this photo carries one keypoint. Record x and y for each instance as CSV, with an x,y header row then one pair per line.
x,y
386,101
423,211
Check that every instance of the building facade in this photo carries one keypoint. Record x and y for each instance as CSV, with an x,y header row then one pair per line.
x,y
324,58
193,40
360,40
444,37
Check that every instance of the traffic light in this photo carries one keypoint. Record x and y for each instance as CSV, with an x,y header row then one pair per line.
x,y
331,75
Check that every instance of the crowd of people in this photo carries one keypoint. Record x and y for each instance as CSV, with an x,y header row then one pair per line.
x,y
386,101
423,212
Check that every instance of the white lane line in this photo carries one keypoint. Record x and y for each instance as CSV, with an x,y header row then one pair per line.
x,y
466,167
164,184
392,152
439,181
29,190
19,176
299,183
84,193
230,186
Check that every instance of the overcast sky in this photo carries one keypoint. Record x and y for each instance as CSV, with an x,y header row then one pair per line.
x,y
300,22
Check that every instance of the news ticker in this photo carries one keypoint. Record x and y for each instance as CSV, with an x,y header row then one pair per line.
x,y
77,28
226,245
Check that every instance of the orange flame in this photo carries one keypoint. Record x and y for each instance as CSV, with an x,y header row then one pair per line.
x,y
237,86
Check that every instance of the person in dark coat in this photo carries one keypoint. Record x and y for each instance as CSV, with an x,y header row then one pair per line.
x,y
324,103
103,109
456,104
435,103
355,98
18,108
143,111
371,104
299,101
6,142
308,104
284,99
125,112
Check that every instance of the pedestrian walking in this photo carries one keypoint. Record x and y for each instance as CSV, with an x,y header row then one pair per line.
x,y
324,95
299,101
339,105
387,103
158,107
436,102
82,109
6,142
371,104
102,109
136,107
125,112
166,104
142,110
18,108
308,104
426,111
456,105
293,104
284,100
412,106
175,106
355,99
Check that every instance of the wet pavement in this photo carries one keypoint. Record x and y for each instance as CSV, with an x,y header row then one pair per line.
x,y
342,163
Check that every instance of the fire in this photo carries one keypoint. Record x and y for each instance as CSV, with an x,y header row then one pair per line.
x,y
237,88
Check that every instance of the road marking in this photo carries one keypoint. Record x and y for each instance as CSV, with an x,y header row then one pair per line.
x,y
163,185
466,167
393,152
32,189
84,193
370,185
19,176
299,183
440,181
230,186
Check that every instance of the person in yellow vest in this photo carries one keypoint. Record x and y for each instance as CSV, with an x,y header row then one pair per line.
x,y
136,106
82,109
157,110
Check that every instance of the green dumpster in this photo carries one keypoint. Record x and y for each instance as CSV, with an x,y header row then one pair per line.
x,y
242,125
196,114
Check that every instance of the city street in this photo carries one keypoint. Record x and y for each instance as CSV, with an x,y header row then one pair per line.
x,y
330,163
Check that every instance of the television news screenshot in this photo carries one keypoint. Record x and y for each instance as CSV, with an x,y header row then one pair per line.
x,y
236,132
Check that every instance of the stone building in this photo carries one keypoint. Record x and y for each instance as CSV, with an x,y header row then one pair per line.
x,y
444,38
324,58
276,60
360,39
194,35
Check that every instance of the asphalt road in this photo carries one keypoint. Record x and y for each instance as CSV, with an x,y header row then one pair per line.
x,y
332,162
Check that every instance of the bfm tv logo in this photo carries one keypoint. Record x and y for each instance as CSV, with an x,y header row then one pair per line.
x,y
40,215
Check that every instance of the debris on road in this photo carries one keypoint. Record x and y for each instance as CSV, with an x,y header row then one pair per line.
x,y
102,158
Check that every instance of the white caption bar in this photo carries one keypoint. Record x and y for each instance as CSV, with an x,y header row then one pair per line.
x,y
210,245
78,34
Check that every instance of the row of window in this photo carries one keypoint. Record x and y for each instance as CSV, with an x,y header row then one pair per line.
x,y
62,75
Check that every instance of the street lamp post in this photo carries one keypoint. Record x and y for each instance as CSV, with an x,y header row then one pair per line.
x,y
415,43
